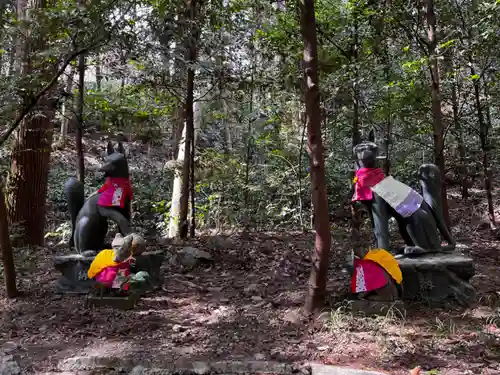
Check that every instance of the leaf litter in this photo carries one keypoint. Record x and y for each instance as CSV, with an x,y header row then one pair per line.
x,y
246,305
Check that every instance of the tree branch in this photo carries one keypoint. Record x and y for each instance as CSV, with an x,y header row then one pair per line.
x,y
34,101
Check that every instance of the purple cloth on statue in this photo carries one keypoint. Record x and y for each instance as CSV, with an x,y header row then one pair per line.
x,y
410,204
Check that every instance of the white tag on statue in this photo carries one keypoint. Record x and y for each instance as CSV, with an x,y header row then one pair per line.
x,y
117,281
399,196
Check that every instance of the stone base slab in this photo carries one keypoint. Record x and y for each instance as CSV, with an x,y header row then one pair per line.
x,y
74,269
437,279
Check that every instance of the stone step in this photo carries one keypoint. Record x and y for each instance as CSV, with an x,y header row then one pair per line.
x,y
95,364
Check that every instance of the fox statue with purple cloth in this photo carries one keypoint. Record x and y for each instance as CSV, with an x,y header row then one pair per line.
x,y
89,218
419,216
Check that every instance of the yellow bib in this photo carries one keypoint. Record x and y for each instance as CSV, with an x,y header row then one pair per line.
x,y
101,261
387,262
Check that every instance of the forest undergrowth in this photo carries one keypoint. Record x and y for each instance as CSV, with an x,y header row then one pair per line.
x,y
246,304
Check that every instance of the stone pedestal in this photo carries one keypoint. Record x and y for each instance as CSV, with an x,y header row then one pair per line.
x,y
74,269
437,279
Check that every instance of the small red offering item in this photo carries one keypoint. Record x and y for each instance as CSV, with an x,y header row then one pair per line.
x,y
365,179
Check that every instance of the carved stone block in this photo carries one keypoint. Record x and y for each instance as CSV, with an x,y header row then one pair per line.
x,y
438,279
74,269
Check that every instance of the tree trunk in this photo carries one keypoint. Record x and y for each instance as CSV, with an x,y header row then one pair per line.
x,y
356,131
460,135
79,128
485,148
319,270
98,81
67,110
248,157
437,114
189,116
9,269
27,181
356,220
173,228
388,129
192,190
227,128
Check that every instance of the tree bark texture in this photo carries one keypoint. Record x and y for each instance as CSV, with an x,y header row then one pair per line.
x,y
9,269
173,228
27,182
98,81
319,271
191,42
67,111
437,114
485,126
460,139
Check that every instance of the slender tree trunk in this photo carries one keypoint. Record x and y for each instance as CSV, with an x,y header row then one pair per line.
x,y
183,224
437,114
319,270
246,208
9,269
356,131
68,105
192,190
189,115
79,128
98,81
460,135
484,127
173,228
388,134
12,60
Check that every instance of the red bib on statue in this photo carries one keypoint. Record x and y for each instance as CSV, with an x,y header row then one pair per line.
x,y
115,191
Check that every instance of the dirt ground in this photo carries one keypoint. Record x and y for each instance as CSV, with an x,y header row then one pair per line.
x,y
245,306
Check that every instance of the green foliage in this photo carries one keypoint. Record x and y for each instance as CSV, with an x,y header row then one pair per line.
x,y
248,90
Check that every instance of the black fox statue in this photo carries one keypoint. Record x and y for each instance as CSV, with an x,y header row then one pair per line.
x,y
113,201
419,216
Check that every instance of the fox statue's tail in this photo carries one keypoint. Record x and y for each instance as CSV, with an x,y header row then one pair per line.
x,y
429,177
75,198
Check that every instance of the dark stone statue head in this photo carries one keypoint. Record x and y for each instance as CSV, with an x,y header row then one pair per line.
x,y
430,178
115,162
366,152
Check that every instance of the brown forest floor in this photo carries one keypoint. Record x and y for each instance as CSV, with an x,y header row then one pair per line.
x,y
245,306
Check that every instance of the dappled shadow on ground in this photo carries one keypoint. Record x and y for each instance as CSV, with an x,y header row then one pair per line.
x,y
244,306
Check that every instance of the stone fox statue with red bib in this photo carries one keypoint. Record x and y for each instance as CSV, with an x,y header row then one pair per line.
x,y
419,215
113,200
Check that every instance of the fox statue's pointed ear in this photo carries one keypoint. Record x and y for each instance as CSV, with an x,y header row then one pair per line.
x,y
371,136
121,149
109,148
